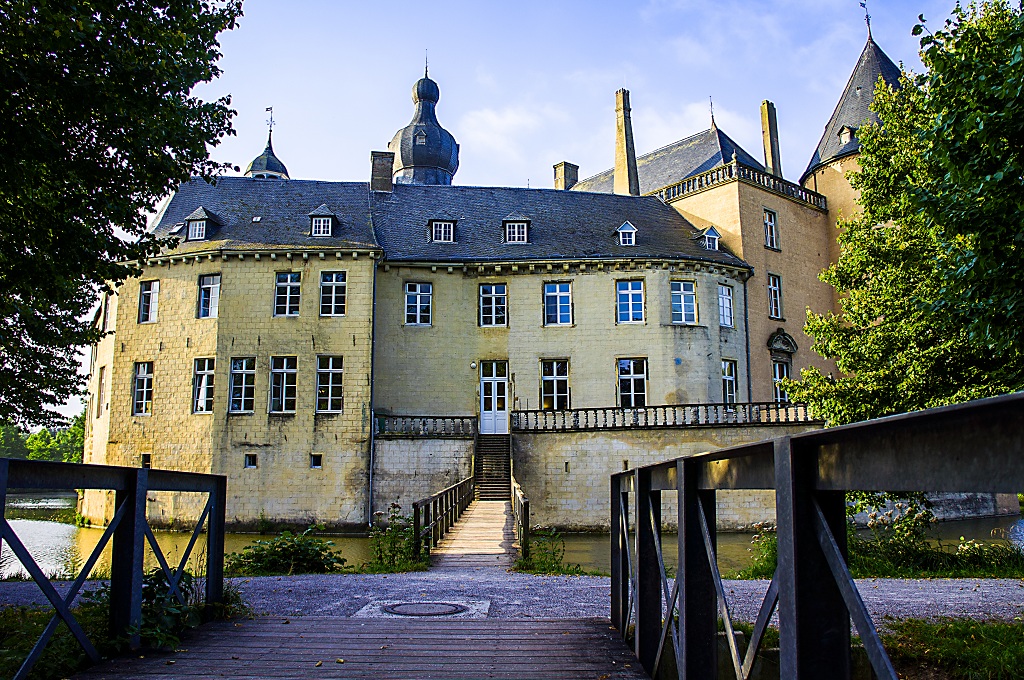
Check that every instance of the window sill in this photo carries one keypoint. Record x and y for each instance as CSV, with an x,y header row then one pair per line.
x,y
329,413
630,323
202,413
201,318
677,324
240,413
559,325
141,415
332,316
727,328
418,325
281,414
776,318
777,250
147,323
503,326
286,316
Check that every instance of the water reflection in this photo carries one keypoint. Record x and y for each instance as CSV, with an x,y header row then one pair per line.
x,y
61,549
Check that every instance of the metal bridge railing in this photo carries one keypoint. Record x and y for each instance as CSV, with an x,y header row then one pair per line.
x,y
129,532
972,447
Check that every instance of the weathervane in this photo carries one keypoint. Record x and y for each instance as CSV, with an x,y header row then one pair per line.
x,y
270,121
867,17
712,104
426,63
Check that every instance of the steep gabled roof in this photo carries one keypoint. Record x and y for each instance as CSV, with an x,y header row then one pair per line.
x,y
677,161
853,107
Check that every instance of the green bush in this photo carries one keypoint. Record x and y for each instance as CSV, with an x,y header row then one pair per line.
x,y
287,553
898,548
964,648
391,544
547,556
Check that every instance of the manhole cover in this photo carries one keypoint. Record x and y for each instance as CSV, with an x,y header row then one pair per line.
x,y
424,609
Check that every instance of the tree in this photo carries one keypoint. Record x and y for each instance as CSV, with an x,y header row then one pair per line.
x,y
41,446
905,340
12,442
99,124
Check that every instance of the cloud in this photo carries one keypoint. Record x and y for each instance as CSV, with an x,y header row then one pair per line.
x,y
506,133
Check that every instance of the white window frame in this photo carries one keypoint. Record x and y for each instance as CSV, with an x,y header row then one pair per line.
x,y
209,293
626,371
283,384
554,385
493,305
780,370
101,390
419,303
196,230
330,395
287,293
726,311
321,226
149,300
771,229
333,293
250,461
142,388
627,238
560,292
729,381
516,232
629,301
774,296
442,231
202,385
684,301
242,385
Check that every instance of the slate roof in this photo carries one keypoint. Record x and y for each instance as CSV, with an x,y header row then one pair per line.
x,y
563,225
283,207
436,159
677,161
853,107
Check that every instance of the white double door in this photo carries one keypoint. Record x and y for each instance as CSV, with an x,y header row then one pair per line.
x,y
493,397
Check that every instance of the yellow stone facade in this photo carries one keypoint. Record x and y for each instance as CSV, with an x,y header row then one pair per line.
x,y
283,484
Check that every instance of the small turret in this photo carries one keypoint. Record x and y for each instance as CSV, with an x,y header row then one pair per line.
x,y
267,165
425,153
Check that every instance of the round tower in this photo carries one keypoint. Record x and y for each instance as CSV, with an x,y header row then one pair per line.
x,y
267,165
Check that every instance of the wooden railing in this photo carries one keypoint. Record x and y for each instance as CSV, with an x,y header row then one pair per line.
x,y
424,426
432,517
521,517
673,415
128,533
735,171
977,447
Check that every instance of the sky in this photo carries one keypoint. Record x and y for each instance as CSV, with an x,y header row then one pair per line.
x,y
528,84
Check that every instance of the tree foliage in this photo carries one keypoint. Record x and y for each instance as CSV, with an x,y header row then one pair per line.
x,y
99,124
920,300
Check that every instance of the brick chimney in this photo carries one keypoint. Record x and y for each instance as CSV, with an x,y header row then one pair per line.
x,y
770,135
566,175
382,164
626,180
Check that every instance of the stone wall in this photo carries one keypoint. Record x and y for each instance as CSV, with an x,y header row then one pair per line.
x,y
566,474
406,470
283,486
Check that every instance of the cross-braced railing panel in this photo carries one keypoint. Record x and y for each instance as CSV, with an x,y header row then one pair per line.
x,y
128,532
974,447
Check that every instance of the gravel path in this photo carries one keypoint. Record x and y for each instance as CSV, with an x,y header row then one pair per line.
x,y
496,594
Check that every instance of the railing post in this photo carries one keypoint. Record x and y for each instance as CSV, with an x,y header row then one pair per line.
x,y
415,531
215,542
126,559
524,540
698,613
648,573
620,555
426,524
814,624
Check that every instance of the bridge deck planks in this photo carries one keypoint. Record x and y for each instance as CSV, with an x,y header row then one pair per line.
x,y
483,537
390,648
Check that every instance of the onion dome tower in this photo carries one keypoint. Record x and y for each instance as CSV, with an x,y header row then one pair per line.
x,y
267,165
425,153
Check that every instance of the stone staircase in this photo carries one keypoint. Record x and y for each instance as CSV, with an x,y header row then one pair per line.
x,y
493,467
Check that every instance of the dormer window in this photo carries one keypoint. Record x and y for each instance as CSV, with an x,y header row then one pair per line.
x,y
321,226
845,135
197,230
420,138
443,232
627,234
516,232
710,239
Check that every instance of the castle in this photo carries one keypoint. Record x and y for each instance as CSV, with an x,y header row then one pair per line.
x,y
333,347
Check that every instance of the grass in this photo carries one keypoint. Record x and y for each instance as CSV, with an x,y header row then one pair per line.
x,y
963,649
547,557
